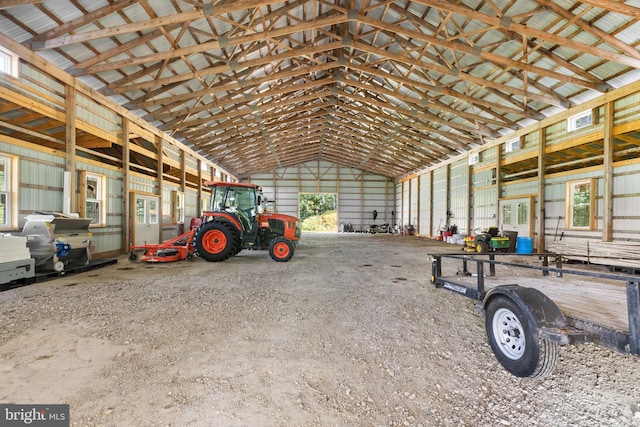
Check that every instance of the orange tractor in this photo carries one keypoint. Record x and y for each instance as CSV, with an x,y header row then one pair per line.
x,y
238,220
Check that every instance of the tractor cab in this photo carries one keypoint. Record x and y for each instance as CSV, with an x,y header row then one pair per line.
x,y
240,201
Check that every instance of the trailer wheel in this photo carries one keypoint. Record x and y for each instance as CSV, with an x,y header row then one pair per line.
x,y
215,241
133,256
513,336
281,249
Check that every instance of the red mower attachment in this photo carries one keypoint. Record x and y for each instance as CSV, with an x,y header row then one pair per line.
x,y
171,250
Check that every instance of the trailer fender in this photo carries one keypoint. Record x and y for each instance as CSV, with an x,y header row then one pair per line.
x,y
548,316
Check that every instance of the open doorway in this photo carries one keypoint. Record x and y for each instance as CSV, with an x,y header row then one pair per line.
x,y
318,211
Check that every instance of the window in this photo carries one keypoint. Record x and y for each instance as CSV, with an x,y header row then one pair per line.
x,y
92,198
8,62
506,213
141,211
178,207
153,211
580,204
5,192
523,213
512,145
474,158
579,121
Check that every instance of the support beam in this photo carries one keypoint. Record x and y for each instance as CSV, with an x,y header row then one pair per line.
x,y
160,173
126,184
70,163
199,195
541,194
607,197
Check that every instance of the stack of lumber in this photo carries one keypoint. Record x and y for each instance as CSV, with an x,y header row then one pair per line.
x,y
13,248
621,254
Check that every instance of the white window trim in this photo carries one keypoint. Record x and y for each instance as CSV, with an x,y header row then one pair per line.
x,y
144,212
13,62
178,207
512,145
154,213
10,192
100,198
592,205
205,202
571,121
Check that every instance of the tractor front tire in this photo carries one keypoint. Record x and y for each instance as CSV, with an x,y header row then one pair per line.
x,y
281,249
216,241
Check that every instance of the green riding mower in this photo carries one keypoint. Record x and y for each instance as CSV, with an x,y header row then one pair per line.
x,y
491,240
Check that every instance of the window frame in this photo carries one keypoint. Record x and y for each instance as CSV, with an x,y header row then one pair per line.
x,y
153,210
205,204
513,145
138,212
178,201
99,197
12,60
570,205
9,192
572,121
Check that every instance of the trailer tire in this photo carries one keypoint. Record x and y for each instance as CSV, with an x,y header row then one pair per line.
x,y
513,334
133,256
216,241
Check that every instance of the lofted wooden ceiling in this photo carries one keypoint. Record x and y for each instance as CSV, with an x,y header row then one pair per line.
x,y
389,87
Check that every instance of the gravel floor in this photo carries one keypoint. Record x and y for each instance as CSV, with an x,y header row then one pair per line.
x,y
348,333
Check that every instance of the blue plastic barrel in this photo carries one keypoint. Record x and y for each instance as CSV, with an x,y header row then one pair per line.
x,y
524,245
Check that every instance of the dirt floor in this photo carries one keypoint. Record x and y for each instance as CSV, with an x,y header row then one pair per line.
x,y
348,333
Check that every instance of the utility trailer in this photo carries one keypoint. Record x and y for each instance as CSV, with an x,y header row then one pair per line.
x,y
527,317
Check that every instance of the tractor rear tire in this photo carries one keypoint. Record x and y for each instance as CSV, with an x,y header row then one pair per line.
x,y
281,249
216,241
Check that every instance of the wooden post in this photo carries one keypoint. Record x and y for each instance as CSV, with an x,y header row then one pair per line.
x,y
70,165
607,197
126,187
159,144
542,141
469,231
199,196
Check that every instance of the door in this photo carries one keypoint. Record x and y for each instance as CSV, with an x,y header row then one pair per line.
x,y
515,215
146,221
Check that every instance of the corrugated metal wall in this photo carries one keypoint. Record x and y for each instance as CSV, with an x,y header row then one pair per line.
x,y
424,214
472,192
414,204
459,194
439,197
359,193
40,188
